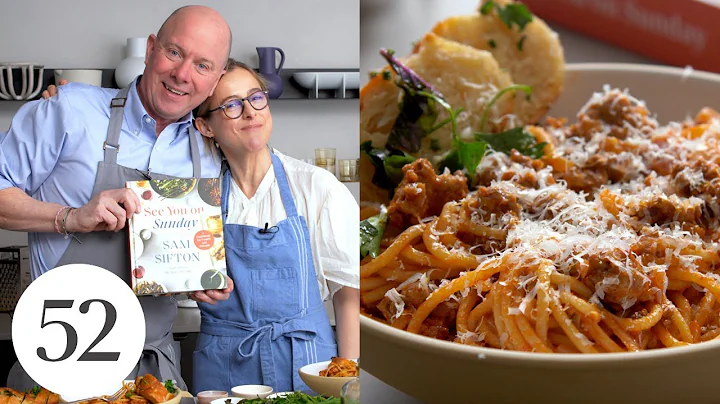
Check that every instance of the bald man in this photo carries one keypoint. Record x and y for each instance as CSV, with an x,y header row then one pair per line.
x,y
65,160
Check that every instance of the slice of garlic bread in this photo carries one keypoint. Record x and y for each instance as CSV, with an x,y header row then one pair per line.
x,y
467,77
533,56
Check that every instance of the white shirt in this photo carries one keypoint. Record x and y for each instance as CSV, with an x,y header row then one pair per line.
x,y
330,210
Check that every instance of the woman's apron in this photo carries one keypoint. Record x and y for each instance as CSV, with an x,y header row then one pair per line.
x,y
109,250
274,321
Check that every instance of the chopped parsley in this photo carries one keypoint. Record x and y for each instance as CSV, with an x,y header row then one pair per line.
x,y
521,42
511,14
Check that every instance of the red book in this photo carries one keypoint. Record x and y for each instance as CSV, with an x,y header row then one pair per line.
x,y
675,32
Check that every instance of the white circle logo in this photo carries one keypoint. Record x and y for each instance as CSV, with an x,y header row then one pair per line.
x,y
78,331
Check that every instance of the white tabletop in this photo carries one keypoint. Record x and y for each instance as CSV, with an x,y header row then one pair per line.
x,y
395,25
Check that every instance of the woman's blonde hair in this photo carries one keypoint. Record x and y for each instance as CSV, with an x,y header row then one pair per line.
x,y
202,111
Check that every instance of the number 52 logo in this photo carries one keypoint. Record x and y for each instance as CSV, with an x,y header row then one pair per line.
x,y
78,330
72,337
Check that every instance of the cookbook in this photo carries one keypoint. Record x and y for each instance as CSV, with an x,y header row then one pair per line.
x,y
176,241
677,32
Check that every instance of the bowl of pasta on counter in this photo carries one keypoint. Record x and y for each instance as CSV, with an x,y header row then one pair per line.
x,y
535,231
328,377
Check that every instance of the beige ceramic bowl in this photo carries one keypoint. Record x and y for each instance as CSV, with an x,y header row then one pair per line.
x,y
442,372
323,385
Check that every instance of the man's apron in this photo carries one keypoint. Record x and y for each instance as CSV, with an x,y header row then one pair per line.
x,y
109,250
274,321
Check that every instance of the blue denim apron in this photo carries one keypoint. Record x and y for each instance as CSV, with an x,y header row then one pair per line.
x,y
274,321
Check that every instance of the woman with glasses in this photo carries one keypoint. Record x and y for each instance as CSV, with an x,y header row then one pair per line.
x,y
291,242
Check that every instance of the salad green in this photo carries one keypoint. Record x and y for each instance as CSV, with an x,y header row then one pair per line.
x,y
294,398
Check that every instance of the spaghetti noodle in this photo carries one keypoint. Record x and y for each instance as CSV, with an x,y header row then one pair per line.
x,y
340,367
607,243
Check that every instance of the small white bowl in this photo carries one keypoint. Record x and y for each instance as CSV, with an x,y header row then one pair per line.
x,y
251,391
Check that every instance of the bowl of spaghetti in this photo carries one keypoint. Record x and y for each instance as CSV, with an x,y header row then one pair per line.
x,y
563,251
328,377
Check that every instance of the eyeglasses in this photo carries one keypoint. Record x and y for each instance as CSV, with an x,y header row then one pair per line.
x,y
233,109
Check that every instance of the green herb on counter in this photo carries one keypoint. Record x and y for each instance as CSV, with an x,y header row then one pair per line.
x,y
293,398
371,233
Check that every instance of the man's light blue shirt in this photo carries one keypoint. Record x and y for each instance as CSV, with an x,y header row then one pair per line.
x,y
53,147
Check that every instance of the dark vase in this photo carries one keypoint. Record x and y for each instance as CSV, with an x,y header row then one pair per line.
x,y
266,55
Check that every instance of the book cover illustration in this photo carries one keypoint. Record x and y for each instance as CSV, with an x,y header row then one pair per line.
x,y
176,241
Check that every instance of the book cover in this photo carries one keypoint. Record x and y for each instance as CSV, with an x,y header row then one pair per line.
x,y
676,32
176,241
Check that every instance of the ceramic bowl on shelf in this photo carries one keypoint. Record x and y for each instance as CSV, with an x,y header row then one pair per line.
x,y
21,81
328,80
436,371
